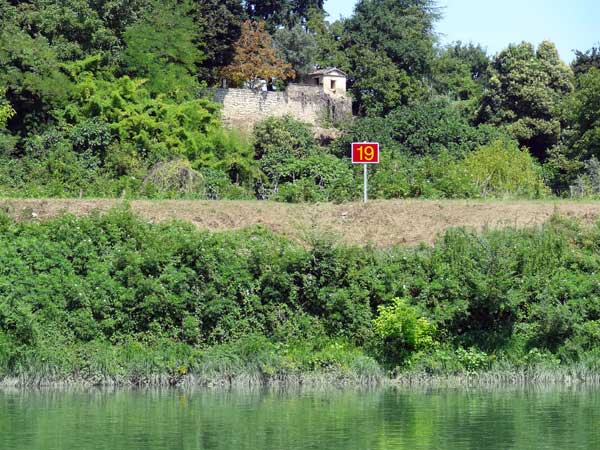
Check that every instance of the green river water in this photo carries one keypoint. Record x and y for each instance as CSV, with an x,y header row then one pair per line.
x,y
347,419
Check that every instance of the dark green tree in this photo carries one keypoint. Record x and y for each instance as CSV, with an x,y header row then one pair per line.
x,y
298,47
379,86
331,41
163,48
524,95
402,29
77,28
389,40
460,70
585,114
581,141
584,61
277,13
30,71
221,23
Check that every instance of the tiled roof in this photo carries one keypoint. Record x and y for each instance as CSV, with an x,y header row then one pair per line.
x,y
328,71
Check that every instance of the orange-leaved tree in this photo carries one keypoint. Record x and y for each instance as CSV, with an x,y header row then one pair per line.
x,y
255,58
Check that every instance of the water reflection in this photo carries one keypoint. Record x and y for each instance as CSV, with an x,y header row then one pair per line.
x,y
300,419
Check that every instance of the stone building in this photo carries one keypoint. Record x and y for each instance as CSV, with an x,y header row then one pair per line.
x,y
320,100
332,80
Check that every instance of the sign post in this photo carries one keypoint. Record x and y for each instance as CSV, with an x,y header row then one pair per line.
x,y
365,153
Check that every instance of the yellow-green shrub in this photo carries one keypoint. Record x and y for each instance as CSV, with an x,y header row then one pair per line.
x,y
501,169
402,330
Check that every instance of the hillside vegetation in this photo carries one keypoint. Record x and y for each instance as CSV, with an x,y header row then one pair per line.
x,y
114,299
90,107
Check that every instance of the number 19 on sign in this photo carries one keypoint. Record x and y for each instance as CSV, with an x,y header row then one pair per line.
x,y
365,153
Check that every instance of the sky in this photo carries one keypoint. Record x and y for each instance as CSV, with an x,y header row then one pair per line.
x,y
570,24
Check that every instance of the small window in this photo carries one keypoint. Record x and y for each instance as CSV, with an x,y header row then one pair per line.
x,y
333,85
317,81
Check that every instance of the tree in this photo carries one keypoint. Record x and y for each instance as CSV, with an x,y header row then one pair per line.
x,y
255,58
397,38
581,141
221,24
460,71
6,112
298,47
31,73
424,129
331,41
163,48
585,115
402,29
584,61
281,13
524,95
77,28
147,128
380,86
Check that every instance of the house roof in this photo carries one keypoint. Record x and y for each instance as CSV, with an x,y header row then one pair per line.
x,y
329,71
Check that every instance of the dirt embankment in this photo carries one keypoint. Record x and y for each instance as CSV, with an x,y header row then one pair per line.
x,y
379,223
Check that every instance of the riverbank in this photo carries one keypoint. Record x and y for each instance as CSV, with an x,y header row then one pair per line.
x,y
113,299
370,376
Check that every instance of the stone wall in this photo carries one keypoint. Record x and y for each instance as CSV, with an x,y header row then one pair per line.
x,y
243,108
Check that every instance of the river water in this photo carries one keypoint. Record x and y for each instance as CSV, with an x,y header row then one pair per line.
x,y
332,419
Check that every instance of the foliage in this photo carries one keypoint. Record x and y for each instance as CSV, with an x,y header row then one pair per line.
x,y
296,169
396,39
381,86
153,128
255,58
286,136
297,47
585,115
584,61
588,183
280,140
460,72
95,94
29,70
524,94
402,331
6,111
424,129
501,169
162,47
122,286
176,175
278,13
331,40
220,23
443,176
316,178
79,28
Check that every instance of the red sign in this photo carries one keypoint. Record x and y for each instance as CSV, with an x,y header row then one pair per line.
x,y
365,153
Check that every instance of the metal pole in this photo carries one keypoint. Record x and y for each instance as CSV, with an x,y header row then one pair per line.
x,y
365,183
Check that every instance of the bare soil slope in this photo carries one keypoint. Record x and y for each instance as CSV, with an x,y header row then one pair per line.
x,y
379,223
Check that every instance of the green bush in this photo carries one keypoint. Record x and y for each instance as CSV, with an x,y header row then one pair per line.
x,y
401,330
425,129
501,169
468,303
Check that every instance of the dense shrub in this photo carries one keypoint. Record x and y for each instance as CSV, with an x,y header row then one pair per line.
x,y
175,176
402,331
423,130
500,169
498,296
